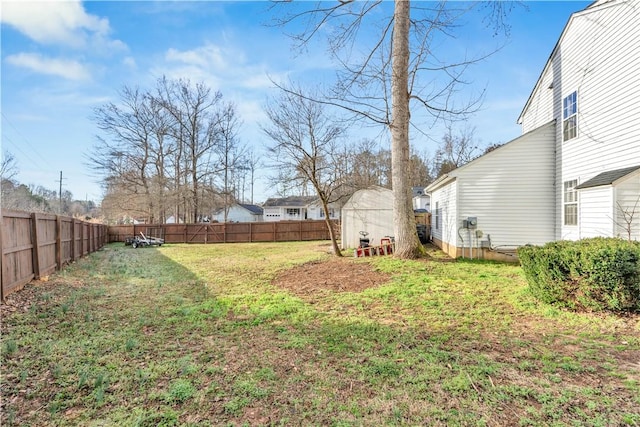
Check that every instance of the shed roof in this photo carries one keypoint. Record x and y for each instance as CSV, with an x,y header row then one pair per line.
x,y
607,178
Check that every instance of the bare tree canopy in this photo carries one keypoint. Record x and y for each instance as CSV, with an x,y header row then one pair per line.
x,y
306,148
455,150
391,75
9,167
166,153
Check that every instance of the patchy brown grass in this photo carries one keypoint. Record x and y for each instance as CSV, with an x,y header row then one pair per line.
x,y
284,334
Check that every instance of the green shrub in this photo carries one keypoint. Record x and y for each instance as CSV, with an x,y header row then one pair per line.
x,y
594,274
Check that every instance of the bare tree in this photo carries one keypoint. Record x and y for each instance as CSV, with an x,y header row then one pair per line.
x,y
228,151
126,157
9,166
305,141
626,217
382,84
167,151
193,107
455,150
251,164
8,171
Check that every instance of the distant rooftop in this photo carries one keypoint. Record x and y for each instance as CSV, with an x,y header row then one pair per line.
x,y
292,201
254,209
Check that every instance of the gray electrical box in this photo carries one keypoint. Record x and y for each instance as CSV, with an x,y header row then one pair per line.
x,y
472,222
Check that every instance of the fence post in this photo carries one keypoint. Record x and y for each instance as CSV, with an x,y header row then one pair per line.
x,y
34,241
73,239
81,239
58,242
92,239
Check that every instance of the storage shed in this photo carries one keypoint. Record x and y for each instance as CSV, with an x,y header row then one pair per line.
x,y
369,210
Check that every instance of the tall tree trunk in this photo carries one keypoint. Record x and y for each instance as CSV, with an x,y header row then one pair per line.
x,y
404,223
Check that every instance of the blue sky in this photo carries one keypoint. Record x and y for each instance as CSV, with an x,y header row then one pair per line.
x,y
62,59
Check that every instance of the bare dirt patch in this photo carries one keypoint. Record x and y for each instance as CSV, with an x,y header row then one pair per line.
x,y
335,275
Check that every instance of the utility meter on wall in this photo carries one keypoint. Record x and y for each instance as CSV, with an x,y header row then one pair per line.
x,y
472,222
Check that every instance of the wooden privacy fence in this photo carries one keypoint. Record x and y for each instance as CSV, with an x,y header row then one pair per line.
x,y
35,245
237,232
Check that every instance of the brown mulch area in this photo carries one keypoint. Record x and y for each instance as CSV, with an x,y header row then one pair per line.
x,y
335,275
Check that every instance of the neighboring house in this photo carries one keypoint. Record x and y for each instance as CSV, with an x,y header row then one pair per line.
x,y
508,190
297,208
588,169
421,199
369,210
240,212
315,211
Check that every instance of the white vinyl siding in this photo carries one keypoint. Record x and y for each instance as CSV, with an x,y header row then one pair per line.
x,y
598,56
539,109
369,210
596,212
238,213
627,207
510,190
445,199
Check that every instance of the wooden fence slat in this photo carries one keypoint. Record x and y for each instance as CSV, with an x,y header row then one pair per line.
x,y
34,245
35,250
235,232
58,242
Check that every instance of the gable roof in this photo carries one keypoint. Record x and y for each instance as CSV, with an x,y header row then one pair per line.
x,y
593,6
452,175
254,209
292,201
607,178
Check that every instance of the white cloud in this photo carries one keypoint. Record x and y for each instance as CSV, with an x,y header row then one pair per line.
x,y
68,69
55,22
209,56
130,63
215,64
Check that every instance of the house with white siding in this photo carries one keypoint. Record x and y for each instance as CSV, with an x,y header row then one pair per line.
x,y
509,191
240,212
295,208
587,97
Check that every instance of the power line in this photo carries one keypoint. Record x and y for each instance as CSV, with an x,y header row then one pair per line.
x,y
26,141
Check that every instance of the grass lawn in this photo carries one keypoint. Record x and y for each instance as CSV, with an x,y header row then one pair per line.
x,y
209,335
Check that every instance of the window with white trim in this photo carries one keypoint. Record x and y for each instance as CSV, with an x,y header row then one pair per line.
x,y
570,202
570,116
331,213
293,211
437,219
